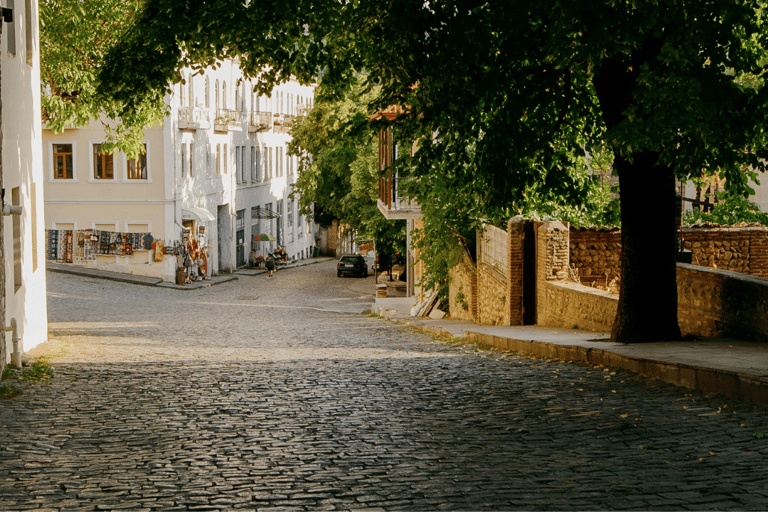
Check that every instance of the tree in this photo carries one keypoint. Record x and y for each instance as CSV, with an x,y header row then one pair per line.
x,y
338,170
74,38
514,91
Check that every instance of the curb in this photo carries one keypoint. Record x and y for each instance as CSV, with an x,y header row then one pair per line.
x,y
706,380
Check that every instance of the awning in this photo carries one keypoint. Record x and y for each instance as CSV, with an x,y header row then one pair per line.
x,y
262,213
195,213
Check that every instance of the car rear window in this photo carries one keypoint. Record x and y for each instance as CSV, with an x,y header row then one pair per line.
x,y
351,259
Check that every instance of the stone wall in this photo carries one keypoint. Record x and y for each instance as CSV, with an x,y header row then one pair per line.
x,y
722,303
492,281
740,249
492,300
575,306
595,255
462,293
551,260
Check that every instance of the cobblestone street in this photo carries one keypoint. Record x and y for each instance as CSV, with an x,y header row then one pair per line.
x,y
262,394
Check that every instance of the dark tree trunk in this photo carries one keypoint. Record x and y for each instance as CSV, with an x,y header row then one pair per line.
x,y
648,295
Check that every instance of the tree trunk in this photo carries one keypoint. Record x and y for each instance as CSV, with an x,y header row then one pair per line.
x,y
648,296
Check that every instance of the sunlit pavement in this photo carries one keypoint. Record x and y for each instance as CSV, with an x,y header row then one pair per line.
x,y
279,393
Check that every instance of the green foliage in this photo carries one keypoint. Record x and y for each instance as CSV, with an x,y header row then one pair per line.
x,y
731,209
74,39
15,380
338,168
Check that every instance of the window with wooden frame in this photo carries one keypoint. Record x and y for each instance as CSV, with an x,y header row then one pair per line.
x,y
62,162
137,168
103,164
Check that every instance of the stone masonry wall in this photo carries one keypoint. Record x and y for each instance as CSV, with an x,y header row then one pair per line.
x,y
575,306
740,249
462,293
552,257
492,300
722,303
492,282
596,255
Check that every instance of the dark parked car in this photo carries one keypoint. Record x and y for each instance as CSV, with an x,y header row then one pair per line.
x,y
352,264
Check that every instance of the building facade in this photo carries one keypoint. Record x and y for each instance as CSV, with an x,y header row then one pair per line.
x,y
217,173
23,232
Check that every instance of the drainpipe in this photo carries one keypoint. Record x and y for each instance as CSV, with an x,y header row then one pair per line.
x,y
16,354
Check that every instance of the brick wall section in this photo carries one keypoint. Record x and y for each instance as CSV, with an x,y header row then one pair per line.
x,y
574,306
552,258
595,254
740,249
722,303
515,270
462,292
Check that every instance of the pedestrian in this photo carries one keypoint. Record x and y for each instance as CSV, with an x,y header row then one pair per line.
x,y
270,264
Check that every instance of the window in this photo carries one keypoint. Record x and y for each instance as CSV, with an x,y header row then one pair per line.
x,y
62,162
243,174
181,91
269,164
218,158
191,91
17,269
207,92
103,166
254,164
11,29
191,152
137,168
237,164
224,160
216,93
183,159
224,95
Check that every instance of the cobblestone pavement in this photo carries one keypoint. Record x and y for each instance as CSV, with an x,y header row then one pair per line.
x,y
266,394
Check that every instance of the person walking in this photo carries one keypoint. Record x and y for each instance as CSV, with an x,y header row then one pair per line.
x,y
270,264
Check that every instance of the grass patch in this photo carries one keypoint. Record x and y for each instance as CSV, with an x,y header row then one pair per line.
x,y
15,380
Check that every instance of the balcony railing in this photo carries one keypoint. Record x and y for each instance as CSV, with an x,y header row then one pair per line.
x,y
283,122
259,122
194,118
391,204
227,120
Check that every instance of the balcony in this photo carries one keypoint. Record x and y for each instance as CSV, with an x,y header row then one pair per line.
x,y
228,121
390,204
283,122
194,118
259,122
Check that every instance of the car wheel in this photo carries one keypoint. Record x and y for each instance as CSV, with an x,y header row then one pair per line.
x,y
338,274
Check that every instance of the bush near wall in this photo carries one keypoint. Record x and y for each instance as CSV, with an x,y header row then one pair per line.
x,y
462,295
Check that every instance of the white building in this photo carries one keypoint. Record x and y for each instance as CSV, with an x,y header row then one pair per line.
x,y
217,170
23,235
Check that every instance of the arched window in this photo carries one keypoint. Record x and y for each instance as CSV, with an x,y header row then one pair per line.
x,y
191,91
216,92
224,95
181,91
207,93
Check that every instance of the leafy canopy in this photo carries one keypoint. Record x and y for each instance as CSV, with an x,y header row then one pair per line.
x,y
75,37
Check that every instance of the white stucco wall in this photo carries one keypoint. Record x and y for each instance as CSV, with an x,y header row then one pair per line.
x,y
23,168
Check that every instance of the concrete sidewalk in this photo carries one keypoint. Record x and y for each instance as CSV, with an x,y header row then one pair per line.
x,y
153,281
713,365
